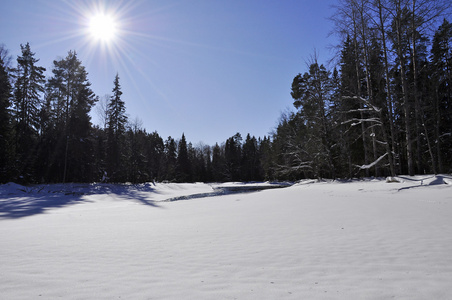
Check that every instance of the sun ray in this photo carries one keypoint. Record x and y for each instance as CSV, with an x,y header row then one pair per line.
x,y
109,35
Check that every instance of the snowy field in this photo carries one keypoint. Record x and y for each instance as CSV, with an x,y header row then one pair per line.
x,y
364,239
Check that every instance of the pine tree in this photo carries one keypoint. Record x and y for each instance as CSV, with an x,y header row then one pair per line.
x,y
311,93
70,100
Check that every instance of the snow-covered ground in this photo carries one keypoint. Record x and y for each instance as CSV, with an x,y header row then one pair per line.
x,y
364,239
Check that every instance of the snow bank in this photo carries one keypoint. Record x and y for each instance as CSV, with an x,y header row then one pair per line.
x,y
365,239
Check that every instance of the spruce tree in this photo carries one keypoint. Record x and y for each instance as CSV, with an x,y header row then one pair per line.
x,y
155,150
170,160
233,157
117,119
183,167
290,158
441,73
266,159
5,119
136,153
208,158
250,159
28,89
218,164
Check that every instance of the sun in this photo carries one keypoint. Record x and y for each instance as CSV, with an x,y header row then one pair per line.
x,y
102,27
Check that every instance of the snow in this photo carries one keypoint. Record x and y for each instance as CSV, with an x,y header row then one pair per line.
x,y
359,239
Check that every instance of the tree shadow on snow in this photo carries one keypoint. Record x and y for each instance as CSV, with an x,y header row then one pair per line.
x,y
17,206
135,193
18,201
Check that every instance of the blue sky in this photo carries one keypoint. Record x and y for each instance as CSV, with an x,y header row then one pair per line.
x,y
206,68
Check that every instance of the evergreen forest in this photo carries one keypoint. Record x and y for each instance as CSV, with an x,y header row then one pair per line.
x,y
381,107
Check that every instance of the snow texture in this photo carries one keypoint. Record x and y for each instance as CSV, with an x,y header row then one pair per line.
x,y
360,239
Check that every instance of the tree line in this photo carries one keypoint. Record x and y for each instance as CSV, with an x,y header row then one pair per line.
x,y
46,134
384,109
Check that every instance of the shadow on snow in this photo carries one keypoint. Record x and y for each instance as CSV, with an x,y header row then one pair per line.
x,y
18,201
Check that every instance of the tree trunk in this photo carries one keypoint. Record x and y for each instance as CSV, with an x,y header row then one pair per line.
x,y
389,150
364,38
358,88
406,103
418,109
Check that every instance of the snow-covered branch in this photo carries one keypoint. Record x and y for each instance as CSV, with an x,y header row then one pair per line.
x,y
365,101
363,167
356,121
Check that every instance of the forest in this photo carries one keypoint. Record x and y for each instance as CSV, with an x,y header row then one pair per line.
x,y
382,106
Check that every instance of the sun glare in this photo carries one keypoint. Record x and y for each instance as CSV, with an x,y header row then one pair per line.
x,y
102,27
